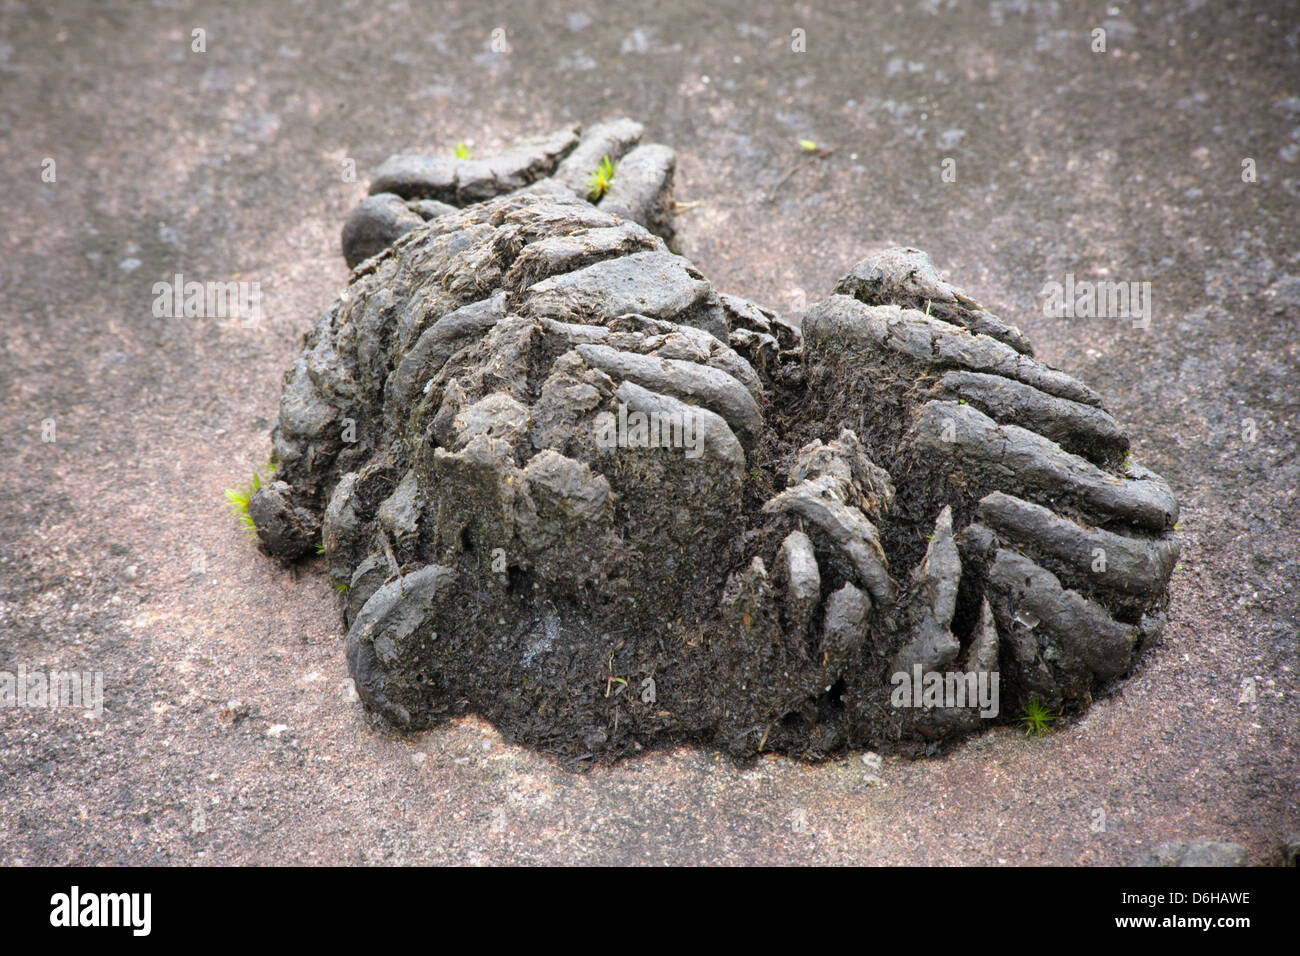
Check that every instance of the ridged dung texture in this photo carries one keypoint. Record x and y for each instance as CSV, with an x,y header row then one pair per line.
x,y
573,488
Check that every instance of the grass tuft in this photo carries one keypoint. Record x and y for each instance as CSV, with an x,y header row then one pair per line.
x,y
1037,718
599,180
238,499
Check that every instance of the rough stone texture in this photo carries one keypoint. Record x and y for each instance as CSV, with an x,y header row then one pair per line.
x,y
560,483
1290,851
236,151
1194,853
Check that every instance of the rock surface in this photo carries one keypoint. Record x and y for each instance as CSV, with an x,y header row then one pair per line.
x,y
550,465
1194,853
1218,349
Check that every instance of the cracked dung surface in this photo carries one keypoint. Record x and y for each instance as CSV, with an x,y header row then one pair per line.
x,y
887,489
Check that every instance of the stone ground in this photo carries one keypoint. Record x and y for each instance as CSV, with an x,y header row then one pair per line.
x,y
227,734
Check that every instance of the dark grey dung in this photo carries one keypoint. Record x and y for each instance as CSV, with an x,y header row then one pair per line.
x,y
573,488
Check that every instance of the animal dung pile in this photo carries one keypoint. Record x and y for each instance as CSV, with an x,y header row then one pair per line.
x,y
566,484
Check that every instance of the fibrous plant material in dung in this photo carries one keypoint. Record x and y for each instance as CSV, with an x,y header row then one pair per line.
x,y
567,484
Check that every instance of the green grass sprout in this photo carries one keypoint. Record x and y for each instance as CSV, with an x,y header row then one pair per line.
x,y
598,182
1037,718
238,499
